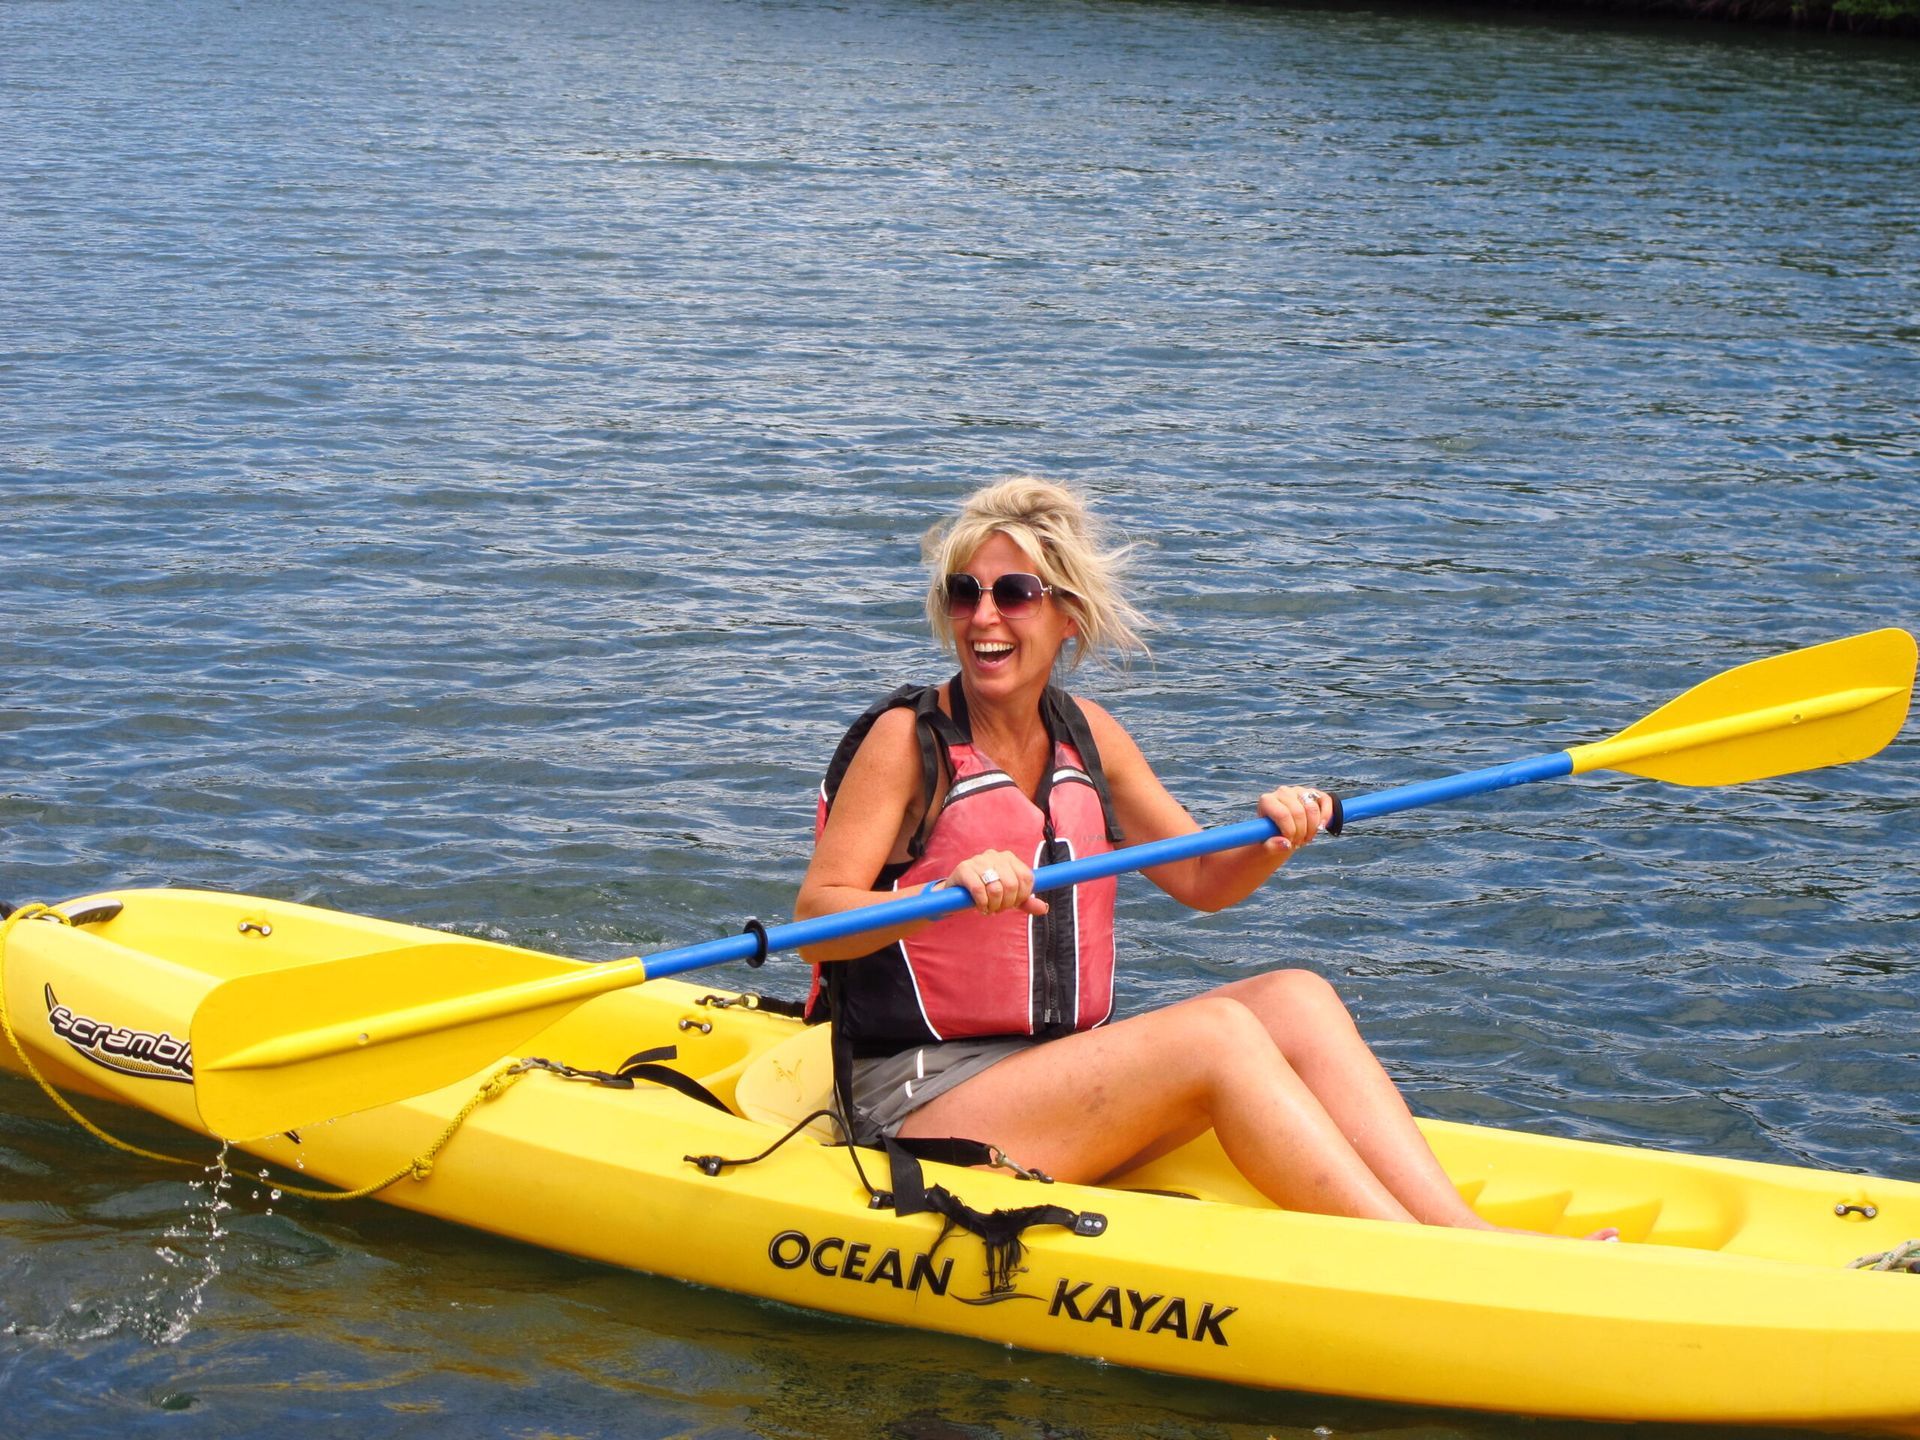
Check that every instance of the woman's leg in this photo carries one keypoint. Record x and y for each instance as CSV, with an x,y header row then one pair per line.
x,y
1311,1026
1079,1107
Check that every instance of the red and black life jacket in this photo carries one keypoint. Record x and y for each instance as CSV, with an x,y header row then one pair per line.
x,y
971,975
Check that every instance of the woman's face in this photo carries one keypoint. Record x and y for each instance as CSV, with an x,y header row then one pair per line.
x,y
999,654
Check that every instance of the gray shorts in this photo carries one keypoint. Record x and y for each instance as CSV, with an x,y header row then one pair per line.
x,y
889,1089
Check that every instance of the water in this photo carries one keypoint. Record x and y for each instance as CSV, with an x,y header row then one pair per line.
x,y
463,463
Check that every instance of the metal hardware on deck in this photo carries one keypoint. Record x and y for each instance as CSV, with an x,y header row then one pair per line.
x,y
705,1027
1003,1161
1865,1212
255,927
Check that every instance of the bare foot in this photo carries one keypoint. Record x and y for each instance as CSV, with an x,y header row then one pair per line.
x,y
1467,1218
1607,1234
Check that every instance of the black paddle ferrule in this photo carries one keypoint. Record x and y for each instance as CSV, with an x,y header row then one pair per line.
x,y
1339,820
759,932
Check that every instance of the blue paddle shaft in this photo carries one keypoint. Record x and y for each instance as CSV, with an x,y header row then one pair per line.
x,y
932,904
1455,787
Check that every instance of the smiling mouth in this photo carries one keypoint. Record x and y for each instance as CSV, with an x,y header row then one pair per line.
x,y
991,651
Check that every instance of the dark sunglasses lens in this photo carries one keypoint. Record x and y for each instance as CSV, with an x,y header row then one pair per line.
x,y
1017,594
963,594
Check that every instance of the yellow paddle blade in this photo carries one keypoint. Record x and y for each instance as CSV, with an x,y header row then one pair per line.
x,y
1825,705
291,1047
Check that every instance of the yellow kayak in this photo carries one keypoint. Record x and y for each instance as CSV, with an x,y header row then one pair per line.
x,y
1731,1299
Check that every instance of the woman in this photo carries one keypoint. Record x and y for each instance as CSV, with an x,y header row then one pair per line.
x,y
992,1025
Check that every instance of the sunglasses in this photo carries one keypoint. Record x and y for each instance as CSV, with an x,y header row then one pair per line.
x,y
1014,595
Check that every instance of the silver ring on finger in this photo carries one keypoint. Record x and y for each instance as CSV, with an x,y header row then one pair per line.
x,y
989,877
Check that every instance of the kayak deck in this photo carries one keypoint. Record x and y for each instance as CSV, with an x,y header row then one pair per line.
x,y
1731,1301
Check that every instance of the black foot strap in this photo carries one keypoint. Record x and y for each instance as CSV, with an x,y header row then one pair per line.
x,y
1000,1231
643,1066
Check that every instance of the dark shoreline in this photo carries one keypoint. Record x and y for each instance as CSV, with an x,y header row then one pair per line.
x,y
1893,18
1840,17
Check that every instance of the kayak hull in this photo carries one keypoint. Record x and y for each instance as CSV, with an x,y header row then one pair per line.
x,y
1731,1301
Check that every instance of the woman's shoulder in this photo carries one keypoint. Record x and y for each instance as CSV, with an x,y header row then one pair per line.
x,y
1099,719
1109,735
893,729
893,719
891,747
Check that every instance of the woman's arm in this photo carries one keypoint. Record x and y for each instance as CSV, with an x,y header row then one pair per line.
x,y
878,805
1147,812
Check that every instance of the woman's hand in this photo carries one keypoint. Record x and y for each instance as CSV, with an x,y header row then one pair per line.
x,y
997,880
1301,814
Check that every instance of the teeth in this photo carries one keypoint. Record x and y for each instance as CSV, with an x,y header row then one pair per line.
x,y
993,648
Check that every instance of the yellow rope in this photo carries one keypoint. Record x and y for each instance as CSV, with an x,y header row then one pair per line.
x,y
1905,1256
419,1168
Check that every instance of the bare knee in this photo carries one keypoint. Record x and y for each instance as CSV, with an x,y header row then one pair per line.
x,y
1293,993
1221,1035
1217,1016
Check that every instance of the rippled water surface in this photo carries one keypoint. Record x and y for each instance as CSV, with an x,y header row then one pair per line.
x,y
464,462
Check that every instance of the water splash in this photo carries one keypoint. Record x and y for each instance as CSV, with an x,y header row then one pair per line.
x,y
273,1191
190,1250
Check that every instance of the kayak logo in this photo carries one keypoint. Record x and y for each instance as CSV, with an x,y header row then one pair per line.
x,y
1130,1310
126,1052
837,1260
1151,1314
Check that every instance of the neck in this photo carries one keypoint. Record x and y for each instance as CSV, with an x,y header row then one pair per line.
x,y
1014,716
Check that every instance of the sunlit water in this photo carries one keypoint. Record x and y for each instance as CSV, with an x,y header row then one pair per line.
x,y
464,463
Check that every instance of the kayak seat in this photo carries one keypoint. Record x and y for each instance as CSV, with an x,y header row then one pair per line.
x,y
789,1081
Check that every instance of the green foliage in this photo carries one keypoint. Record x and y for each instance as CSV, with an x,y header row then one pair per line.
x,y
1881,11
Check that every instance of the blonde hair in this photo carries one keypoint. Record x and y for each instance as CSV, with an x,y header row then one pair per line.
x,y
1069,548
